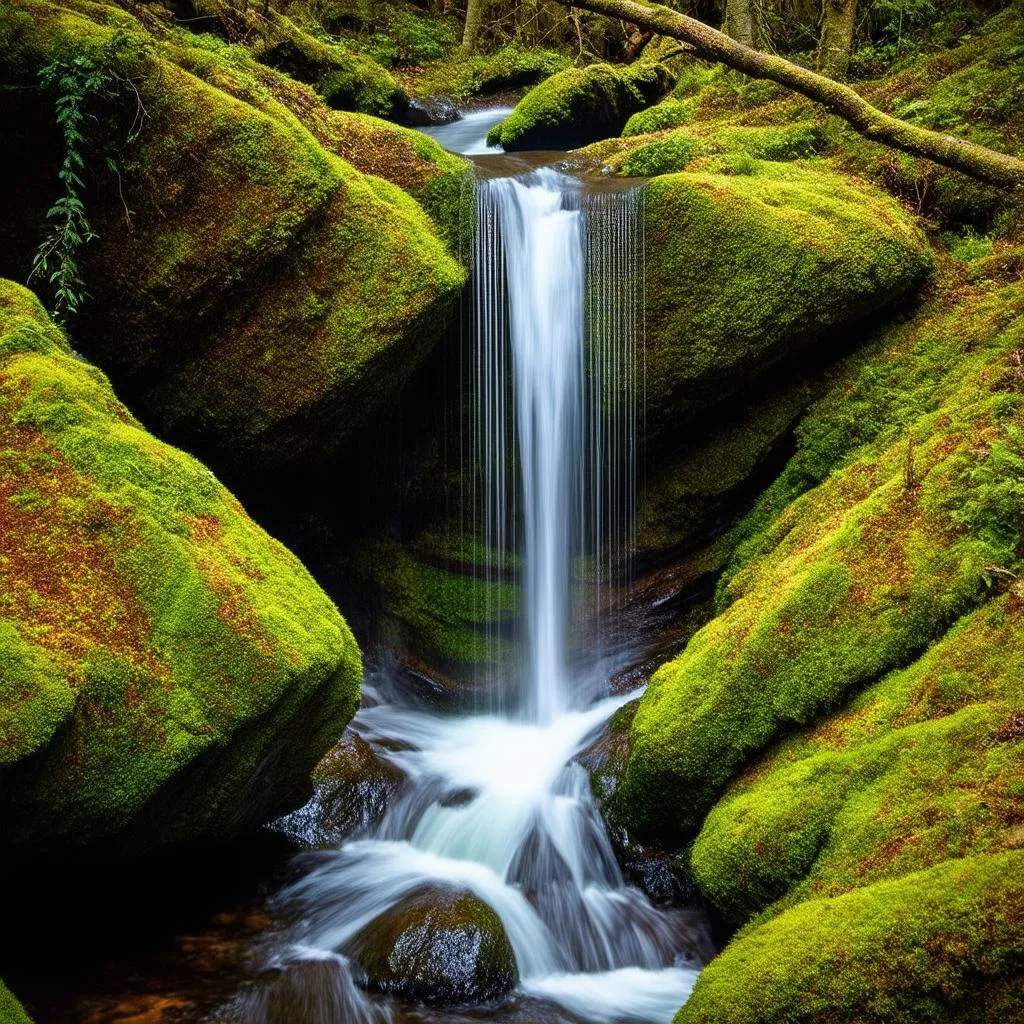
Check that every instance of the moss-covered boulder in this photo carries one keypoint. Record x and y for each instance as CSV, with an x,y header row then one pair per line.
x,y
11,1011
859,575
441,946
168,672
670,113
264,295
744,269
694,490
942,946
444,605
581,105
344,77
926,765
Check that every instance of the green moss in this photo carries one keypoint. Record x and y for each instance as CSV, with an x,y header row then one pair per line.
x,y
666,114
664,156
182,633
922,767
11,1011
742,270
939,946
447,614
853,578
247,234
788,142
581,105
690,488
346,78
460,77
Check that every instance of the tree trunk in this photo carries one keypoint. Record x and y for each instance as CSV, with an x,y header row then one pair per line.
x,y
838,21
474,24
739,21
974,160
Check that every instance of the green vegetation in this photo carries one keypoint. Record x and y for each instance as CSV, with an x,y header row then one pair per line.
x,y
184,639
858,575
670,113
445,613
580,105
11,1011
274,238
934,947
745,269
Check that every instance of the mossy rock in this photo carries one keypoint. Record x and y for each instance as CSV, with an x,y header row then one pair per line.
x,y
461,76
440,605
353,787
743,270
440,946
942,946
11,1011
345,78
170,673
266,295
581,105
857,576
924,766
670,113
692,489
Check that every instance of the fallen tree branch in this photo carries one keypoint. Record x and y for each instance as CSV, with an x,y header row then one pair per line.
x,y
973,160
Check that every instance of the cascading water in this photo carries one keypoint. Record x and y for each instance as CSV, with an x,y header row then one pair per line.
x,y
495,804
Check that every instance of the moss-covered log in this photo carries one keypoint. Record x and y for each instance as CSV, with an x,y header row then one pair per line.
x,y
708,43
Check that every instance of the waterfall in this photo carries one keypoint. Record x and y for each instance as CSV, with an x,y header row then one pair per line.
x,y
555,340
494,803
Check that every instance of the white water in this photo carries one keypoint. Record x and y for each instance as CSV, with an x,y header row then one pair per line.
x,y
468,135
495,804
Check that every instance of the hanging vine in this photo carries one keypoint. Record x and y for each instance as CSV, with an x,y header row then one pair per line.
x,y
80,82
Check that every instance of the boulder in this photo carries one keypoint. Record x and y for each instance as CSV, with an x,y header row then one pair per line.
x,y
168,672
933,947
746,269
441,946
264,296
581,105
884,529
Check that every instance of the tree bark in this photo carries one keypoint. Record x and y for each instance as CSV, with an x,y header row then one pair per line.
x,y
976,161
474,24
739,21
838,21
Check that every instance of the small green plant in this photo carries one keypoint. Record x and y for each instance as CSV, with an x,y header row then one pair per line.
x,y
78,81
967,246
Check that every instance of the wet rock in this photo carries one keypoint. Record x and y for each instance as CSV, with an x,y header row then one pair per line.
x,y
306,991
436,110
440,945
355,786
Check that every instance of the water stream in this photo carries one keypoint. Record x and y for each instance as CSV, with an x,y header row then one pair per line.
x,y
494,803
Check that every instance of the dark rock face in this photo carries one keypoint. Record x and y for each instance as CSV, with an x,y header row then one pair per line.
x,y
441,946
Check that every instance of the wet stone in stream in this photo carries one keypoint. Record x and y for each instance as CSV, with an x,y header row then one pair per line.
x,y
440,946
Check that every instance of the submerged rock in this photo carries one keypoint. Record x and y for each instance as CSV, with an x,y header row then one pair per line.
x,y
168,671
581,105
441,946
